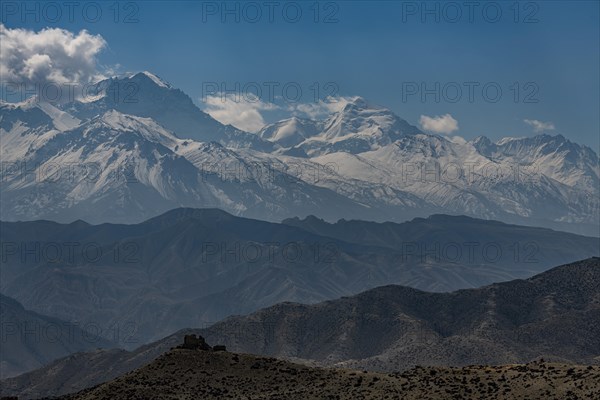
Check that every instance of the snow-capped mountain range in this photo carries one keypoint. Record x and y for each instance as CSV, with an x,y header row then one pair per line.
x,y
114,158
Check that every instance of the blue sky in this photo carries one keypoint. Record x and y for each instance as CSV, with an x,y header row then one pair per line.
x,y
378,50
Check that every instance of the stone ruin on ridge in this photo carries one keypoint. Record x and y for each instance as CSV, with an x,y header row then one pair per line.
x,y
193,342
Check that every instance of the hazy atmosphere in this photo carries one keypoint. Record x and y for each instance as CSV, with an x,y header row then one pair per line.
x,y
300,199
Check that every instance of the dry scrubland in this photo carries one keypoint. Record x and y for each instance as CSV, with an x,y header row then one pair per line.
x,y
194,374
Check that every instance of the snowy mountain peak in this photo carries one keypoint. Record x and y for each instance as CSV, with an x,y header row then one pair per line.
x,y
360,103
357,127
373,126
144,94
179,155
543,142
154,78
291,131
146,128
130,88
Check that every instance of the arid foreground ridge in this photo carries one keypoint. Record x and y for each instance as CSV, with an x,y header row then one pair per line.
x,y
186,374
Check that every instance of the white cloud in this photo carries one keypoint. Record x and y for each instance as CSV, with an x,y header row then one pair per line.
x,y
243,112
51,55
458,139
539,126
321,108
439,124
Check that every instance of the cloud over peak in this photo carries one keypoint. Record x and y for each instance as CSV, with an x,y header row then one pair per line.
x,y
439,124
241,112
321,108
539,126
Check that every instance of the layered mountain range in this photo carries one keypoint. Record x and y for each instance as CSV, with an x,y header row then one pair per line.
x,y
391,328
553,315
133,283
135,147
